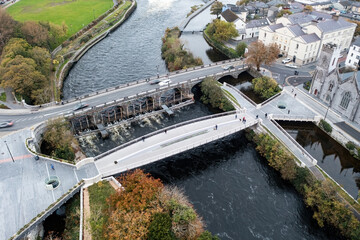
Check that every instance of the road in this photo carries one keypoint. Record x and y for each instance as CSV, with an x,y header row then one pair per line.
x,y
25,118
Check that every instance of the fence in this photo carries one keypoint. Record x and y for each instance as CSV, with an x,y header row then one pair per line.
x,y
179,150
162,130
299,118
242,94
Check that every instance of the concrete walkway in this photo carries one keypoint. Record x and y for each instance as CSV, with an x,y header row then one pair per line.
x,y
87,214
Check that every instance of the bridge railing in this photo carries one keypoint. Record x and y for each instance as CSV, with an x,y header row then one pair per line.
x,y
304,152
118,169
270,99
242,94
163,129
301,118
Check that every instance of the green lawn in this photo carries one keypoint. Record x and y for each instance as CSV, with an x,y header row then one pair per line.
x,y
75,14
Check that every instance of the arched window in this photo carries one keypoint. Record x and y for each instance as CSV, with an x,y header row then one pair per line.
x,y
328,98
345,100
331,87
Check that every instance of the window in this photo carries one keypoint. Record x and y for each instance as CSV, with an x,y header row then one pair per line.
x,y
328,98
264,35
349,61
357,57
297,46
306,48
331,87
305,56
345,100
352,54
354,48
333,62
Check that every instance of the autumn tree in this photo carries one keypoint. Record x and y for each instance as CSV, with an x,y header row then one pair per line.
x,y
7,28
35,34
42,58
265,86
15,46
216,8
308,9
242,2
222,31
213,95
57,33
258,54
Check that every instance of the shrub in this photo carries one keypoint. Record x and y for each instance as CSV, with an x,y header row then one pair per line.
x,y
240,49
160,227
350,145
213,95
325,126
265,86
85,39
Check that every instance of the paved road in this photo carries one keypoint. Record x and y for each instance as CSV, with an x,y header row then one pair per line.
x,y
349,130
26,118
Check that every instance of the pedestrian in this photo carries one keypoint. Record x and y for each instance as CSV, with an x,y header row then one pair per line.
x,y
115,162
289,111
257,116
215,127
143,138
265,115
292,90
235,116
165,131
295,95
244,119
52,167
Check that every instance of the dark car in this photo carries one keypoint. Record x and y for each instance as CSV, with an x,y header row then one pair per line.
x,y
6,124
153,82
81,106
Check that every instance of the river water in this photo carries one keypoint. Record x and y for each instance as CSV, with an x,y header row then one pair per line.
x,y
230,185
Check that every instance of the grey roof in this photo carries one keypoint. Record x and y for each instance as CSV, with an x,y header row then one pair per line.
x,y
229,16
330,25
260,5
275,2
296,30
356,4
257,23
302,17
275,26
345,76
273,8
320,3
346,3
309,38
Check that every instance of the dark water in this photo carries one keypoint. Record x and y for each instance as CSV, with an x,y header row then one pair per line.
x,y
130,53
243,83
238,195
331,156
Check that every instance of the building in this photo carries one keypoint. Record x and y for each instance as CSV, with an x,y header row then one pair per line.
x,y
301,35
239,11
353,57
339,91
245,30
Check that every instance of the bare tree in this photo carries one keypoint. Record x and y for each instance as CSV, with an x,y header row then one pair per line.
x,y
258,53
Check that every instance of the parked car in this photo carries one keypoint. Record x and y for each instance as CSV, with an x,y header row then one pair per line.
x,y
153,82
280,55
228,67
291,65
81,106
164,82
286,60
6,124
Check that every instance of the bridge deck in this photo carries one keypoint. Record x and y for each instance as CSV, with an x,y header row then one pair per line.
x,y
172,142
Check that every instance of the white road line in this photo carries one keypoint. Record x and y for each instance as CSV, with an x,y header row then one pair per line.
x,y
77,179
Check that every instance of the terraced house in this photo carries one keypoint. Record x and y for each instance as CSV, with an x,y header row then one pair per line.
x,y
301,36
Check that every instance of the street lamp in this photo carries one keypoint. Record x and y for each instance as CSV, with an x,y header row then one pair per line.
x,y
157,70
327,110
9,151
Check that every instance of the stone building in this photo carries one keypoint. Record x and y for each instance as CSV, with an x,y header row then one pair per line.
x,y
339,91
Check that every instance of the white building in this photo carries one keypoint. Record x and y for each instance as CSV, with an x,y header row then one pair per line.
x,y
301,35
353,57
245,30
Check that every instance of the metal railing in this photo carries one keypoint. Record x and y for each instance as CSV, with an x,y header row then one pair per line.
x,y
304,152
300,118
179,150
268,100
242,94
163,129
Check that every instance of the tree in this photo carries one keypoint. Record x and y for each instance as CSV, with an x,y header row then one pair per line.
x,y
7,28
242,2
283,11
258,53
206,235
357,29
15,46
240,48
35,34
160,227
308,9
213,95
216,8
222,31
42,59
265,86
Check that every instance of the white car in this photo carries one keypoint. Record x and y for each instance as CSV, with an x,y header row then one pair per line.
x,y
291,65
165,82
286,60
229,67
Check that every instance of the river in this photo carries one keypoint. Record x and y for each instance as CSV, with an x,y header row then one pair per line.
x,y
238,195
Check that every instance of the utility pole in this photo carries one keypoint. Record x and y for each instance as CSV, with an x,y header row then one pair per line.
x,y
9,151
327,110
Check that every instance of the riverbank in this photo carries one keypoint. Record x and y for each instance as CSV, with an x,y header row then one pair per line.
x,y
71,51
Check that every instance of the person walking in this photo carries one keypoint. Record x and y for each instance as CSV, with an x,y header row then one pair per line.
x,y
257,116
265,115
295,95
215,127
52,167
289,111
165,131
235,116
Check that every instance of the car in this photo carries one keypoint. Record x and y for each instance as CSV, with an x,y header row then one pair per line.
x,y
6,124
164,82
286,60
153,82
81,106
229,67
291,66
280,55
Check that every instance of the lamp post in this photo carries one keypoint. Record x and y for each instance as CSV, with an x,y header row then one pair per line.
x,y
157,70
9,151
327,110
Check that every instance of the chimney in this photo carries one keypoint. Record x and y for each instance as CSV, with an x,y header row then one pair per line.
x,y
336,16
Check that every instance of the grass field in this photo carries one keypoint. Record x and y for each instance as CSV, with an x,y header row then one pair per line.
x,y
75,14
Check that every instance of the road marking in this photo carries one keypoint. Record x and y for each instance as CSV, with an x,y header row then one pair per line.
x,y
77,179
15,158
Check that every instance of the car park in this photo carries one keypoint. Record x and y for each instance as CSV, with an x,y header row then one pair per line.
x,y
81,106
286,60
228,67
6,124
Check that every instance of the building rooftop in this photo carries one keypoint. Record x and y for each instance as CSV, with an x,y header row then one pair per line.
x,y
309,38
275,2
229,15
257,23
330,25
302,17
296,30
275,26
